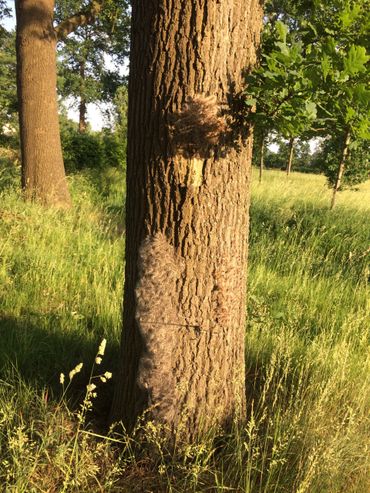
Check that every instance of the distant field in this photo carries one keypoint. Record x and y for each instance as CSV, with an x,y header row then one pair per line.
x,y
312,188
307,346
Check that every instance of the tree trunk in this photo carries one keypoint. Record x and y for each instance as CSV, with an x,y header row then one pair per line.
x,y
82,123
188,178
262,157
291,155
341,168
43,175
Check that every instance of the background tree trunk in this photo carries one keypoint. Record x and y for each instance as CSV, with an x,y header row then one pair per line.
x,y
291,155
82,123
43,175
341,168
187,213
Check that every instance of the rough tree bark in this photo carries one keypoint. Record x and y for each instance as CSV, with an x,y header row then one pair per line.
x,y
341,168
188,177
291,155
43,175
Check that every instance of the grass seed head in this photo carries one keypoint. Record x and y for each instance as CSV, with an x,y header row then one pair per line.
x,y
102,346
75,370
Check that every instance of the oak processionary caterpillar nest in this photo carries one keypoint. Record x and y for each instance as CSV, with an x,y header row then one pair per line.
x,y
158,318
197,126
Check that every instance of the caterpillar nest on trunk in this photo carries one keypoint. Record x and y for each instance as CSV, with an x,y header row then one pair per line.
x,y
197,127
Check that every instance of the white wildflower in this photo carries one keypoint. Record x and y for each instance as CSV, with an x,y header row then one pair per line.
x,y
91,387
61,378
98,360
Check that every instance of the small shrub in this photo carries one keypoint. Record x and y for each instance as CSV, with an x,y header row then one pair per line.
x,y
82,151
91,150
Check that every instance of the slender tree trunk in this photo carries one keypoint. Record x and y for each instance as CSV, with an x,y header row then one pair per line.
x,y
82,123
43,176
291,155
188,178
262,157
341,168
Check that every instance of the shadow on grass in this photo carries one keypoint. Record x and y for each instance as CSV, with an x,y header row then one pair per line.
x,y
39,355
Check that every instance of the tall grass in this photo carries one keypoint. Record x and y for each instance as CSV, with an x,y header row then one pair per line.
x,y
307,349
60,279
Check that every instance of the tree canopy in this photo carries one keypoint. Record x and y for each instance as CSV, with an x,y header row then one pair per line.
x,y
313,76
91,57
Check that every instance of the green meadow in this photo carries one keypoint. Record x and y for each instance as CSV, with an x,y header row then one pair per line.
x,y
307,348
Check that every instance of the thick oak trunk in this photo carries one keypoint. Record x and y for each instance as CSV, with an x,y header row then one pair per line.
x,y
188,178
43,175
341,168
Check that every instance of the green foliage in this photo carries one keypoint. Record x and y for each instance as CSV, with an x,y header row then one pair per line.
x,y
84,73
9,169
357,169
96,150
114,147
341,80
8,86
9,143
303,161
314,78
118,117
280,87
82,150
291,12
342,76
4,10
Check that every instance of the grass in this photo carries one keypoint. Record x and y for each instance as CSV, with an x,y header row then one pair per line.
x,y
307,349
308,337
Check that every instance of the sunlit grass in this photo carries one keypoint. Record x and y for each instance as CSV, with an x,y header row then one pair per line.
x,y
307,348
